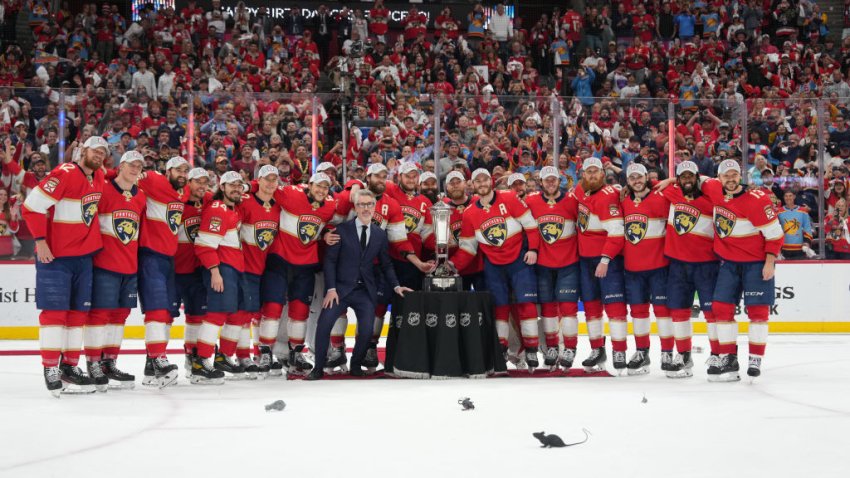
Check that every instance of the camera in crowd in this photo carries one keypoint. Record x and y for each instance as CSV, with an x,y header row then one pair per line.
x,y
359,48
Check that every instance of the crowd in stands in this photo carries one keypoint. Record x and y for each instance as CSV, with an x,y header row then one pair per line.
x,y
234,89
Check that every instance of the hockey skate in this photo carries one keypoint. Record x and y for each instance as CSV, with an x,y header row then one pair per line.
x,y
713,371
618,359
95,370
53,380
149,378
187,365
165,373
754,367
277,366
566,359
681,367
298,365
666,360
336,360
550,358
639,364
370,362
517,359
231,369
531,359
74,381
251,368
728,369
264,361
117,379
596,361
205,373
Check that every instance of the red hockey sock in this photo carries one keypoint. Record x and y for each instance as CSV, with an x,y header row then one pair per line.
x,y
528,325
682,329
115,333
73,337
50,335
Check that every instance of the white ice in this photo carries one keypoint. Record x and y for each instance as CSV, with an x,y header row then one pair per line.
x,y
793,421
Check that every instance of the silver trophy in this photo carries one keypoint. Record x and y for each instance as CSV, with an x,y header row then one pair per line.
x,y
444,277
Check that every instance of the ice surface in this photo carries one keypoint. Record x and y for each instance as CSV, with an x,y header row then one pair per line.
x,y
793,421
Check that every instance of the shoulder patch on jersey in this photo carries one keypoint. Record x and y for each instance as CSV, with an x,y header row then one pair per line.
x,y
308,228
636,226
50,186
613,210
770,213
685,218
551,227
125,224
264,233
89,207
724,222
215,224
495,230
174,216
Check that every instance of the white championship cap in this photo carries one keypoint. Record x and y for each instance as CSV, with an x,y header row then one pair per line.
x,y
481,171
635,168
320,177
324,166
229,177
453,175
687,166
175,162
376,168
728,165
131,156
267,170
408,167
96,142
198,173
591,163
515,177
426,176
549,172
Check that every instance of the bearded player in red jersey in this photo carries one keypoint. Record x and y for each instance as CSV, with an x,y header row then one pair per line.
x,y
557,267
114,283
416,208
500,223
61,213
747,238
600,246
645,215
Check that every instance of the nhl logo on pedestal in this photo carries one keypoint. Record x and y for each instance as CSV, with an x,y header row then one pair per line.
x,y
465,319
480,318
413,319
431,320
451,320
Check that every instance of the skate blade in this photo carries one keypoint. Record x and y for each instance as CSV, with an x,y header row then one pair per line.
x,y
728,377
685,373
168,379
150,381
635,372
78,390
102,388
235,377
252,376
118,385
206,381
276,373
620,372
593,369
56,393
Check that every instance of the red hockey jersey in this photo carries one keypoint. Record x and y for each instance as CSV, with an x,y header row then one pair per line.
x,y
185,261
218,237
600,222
455,225
645,223
63,211
416,210
498,229
163,215
120,215
258,231
690,232
387,216
556,222
301,223
746,227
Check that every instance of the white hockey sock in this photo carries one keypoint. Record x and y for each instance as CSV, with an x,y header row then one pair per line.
x,y
114,336
665,327
190,333
231,332
727,333
268,329
94,336
208,333
569,327
712,330
156,332
244,338
641,326
595,328
758,333
682,330
295,329
502,329
619,329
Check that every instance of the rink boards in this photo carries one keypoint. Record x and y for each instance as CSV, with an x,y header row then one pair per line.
x,y
811,297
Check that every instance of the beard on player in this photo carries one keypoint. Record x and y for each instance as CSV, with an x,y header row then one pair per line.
x,y
592,181
93,159
687,182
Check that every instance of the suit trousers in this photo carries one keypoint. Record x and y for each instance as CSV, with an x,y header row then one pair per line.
x,y
359,300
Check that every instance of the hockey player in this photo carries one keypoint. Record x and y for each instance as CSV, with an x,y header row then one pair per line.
x,y
291,267
158,245
190,287
497,222
473,275
747,239
220,252
260,215
61,213
600,244
416,209
557,267
645,215
688,244
114,283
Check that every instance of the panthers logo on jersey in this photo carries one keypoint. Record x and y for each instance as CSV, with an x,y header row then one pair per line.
x,y
551,227
174,216
685,218
411,218
125,224
192,225
89,207
264,234
308,228
378,220
495,230
636,226
583,218
724,222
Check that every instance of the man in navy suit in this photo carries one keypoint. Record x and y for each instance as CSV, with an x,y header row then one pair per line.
x,y
350,281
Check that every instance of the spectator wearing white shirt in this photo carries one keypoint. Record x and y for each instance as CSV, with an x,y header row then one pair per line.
x,y
502,27
166,81
145,79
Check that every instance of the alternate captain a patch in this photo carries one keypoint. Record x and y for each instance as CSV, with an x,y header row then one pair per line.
x,y
724,222
125,224
89,207
636,226
495,230
264,234
551,227
685,218
308,228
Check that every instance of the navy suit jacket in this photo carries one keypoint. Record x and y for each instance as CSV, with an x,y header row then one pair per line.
x,y
345,263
